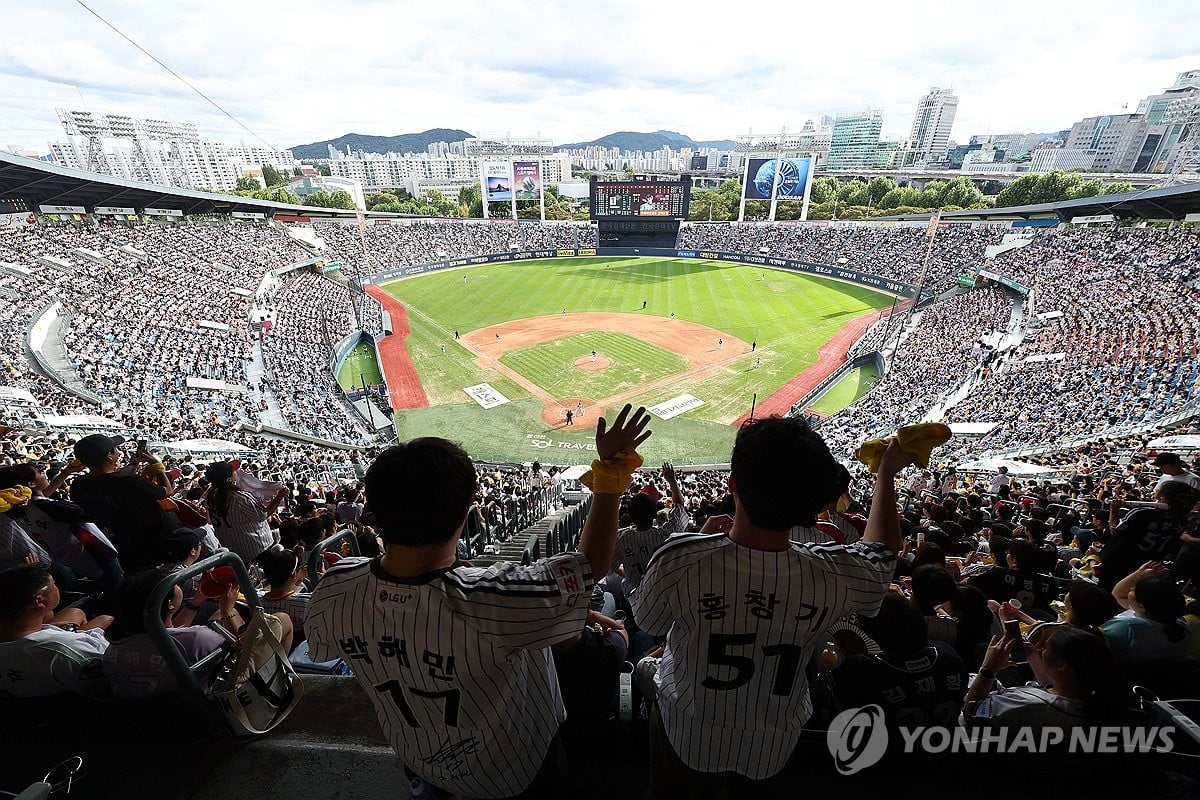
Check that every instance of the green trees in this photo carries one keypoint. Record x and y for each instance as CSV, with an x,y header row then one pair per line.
x,y
247,185
1051,187
338,199
272,177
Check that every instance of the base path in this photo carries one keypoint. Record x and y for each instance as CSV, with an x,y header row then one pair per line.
x,y
404,387
831,355
695,343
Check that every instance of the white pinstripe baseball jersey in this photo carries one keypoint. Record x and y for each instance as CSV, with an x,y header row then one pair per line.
x,y
243,528
635,548
741,624
457,662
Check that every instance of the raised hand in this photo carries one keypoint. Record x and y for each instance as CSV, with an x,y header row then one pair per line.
x,y
626,433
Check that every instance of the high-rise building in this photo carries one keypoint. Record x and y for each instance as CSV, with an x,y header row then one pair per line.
x,y
1177,110
855,140
158,151
930,137
1117,140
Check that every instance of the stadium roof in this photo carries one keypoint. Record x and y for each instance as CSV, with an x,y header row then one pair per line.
x,y
1169,202
42,183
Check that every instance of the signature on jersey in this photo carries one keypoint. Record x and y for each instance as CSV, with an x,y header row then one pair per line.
x,y
449,757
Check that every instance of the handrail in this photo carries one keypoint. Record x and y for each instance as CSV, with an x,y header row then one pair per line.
x,y
185,674
327,545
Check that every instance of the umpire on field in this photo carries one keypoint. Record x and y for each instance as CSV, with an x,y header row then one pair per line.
x,y
743,611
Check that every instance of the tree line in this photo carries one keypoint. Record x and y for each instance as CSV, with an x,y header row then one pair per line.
x,y
830,198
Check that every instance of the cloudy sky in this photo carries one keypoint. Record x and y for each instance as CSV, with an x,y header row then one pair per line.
x,y
300,71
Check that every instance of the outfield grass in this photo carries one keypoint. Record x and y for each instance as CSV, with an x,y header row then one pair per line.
x,y
849,388
632,362
361,362
788,315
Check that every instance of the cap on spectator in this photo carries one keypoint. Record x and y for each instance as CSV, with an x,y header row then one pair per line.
x,y
221,471
1162,459
178,543
92,450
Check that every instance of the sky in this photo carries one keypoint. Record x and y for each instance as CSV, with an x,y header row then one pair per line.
x,y
301,71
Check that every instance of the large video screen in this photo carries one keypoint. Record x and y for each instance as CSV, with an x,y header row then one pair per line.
x,y
650,199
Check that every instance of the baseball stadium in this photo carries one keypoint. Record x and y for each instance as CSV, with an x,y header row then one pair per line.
x,y
582,489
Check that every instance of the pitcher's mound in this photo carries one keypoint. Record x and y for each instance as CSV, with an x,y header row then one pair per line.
x,y
556,413
587,363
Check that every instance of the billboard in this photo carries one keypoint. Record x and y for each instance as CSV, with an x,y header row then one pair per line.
x,y
497,181
786,176
527,180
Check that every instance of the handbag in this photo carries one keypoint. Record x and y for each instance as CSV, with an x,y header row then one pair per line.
x,y
255,687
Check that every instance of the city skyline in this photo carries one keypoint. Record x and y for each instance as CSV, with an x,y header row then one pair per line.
x,y
560,71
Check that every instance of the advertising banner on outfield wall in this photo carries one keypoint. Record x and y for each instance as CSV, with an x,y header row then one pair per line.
x,y
861,278
18,220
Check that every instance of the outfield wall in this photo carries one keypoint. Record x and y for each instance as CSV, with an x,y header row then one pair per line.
x,y
838,273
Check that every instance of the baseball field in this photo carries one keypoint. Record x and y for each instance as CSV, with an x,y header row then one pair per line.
x,y
701,339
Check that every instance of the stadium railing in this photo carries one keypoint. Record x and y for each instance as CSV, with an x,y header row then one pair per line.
x,y
563,535
187,675
331,545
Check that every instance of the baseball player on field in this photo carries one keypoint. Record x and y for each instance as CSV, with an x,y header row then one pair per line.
x,y
743,609
456,659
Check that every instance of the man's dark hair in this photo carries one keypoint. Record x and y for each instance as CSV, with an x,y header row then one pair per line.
x,y
310,533
931,586
642,508
898,628
17,475
1029,556
18,586
783,472
420,491
1091,605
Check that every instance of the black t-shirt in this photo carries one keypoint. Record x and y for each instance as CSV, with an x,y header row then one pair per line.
x,y
926,689
1146,534
1033,589
127,508
587,675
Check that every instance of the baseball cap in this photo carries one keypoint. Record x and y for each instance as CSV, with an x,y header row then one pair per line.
x,y
92,450
221,471
179,542
1162,459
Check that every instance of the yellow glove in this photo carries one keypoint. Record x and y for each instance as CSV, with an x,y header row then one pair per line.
x,y
612,475
16,496
919,439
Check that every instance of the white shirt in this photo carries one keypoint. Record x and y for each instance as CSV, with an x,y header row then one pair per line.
x,y
741,625
457,663
635,548
997,482
53,661
243,528
1190,478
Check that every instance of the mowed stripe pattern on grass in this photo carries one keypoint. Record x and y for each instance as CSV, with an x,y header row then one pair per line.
x,y
632,362
361,362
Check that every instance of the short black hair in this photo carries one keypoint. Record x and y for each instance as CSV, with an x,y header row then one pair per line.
x,y
783,472
420,491
1029,556
17,475
642,508
18,586
898,627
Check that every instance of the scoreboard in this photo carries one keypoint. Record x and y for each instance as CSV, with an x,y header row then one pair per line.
x,y
640,199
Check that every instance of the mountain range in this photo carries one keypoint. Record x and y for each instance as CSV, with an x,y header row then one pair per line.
x,y
404,143
633,140
419,142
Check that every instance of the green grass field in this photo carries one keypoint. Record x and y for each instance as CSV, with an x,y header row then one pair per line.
x,y
852,386
361,361
632,362
789,316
